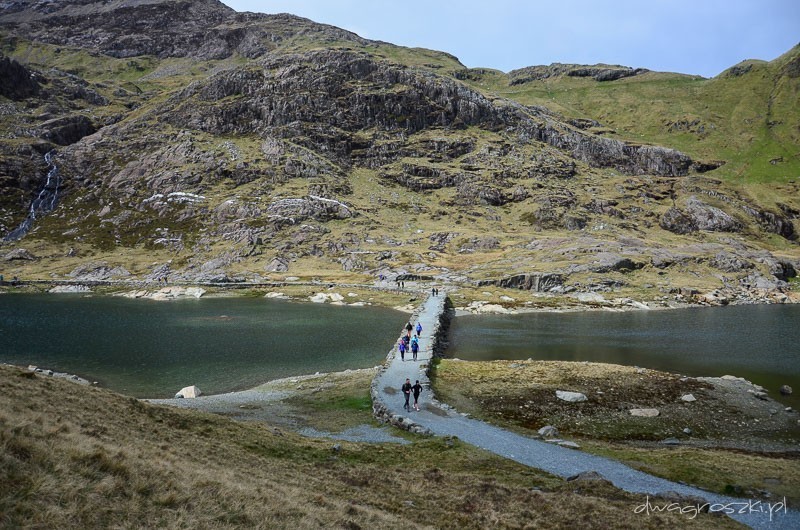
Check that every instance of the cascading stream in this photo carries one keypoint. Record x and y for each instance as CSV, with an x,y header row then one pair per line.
x,y
45,201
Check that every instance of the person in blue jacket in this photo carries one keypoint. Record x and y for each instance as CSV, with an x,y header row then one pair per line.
x,y
402,347
414,347
419,329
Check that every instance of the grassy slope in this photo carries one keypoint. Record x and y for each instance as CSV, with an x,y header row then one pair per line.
x,y
79,457
744,120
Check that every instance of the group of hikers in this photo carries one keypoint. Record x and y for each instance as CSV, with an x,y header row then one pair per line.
x,y
409,342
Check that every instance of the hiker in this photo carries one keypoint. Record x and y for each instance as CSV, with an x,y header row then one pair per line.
x,y
419,329
414,346
402,348
417,388
406,388
409,327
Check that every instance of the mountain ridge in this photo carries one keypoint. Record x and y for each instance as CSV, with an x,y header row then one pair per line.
x,y
239,126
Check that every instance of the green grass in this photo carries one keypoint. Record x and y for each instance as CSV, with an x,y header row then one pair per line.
x,y
746,120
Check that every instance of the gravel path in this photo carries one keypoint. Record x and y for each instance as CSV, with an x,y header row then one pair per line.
x,y
441,420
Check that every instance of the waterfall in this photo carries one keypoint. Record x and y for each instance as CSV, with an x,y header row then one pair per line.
x,y
44,203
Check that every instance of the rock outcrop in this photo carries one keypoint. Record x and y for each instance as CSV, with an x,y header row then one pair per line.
x,y
16,81
538,282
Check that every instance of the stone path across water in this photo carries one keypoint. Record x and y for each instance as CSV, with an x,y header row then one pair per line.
x,y
441,420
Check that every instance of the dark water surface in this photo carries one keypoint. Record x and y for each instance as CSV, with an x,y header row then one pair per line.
x,y
145,348
760,343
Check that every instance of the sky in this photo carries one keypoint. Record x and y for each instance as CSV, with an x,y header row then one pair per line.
x,y
699,37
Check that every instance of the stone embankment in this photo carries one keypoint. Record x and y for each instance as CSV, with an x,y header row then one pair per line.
x,y
387,399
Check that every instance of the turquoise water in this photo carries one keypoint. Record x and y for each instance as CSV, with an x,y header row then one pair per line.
x,y
758,342
145,348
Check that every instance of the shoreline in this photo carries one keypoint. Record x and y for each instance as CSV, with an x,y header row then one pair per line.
x,y
571,303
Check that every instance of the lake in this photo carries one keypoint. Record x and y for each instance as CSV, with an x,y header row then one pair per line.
x,y
758,342
145,348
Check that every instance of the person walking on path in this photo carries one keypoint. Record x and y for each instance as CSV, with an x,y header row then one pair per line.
x,y
414,346
406,388
419,328
417,388
402,347
409,327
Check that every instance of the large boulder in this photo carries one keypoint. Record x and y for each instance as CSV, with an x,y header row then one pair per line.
x,y
311,207
188,392
571,397
611,262
19,254
548,431
698,216
278,265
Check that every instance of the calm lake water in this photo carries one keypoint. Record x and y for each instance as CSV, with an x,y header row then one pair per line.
x,y
760,343
145,348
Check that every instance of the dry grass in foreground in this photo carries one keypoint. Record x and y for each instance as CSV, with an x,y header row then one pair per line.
x,y
78,457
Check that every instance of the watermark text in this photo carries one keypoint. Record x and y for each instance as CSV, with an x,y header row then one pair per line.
x,y
742,507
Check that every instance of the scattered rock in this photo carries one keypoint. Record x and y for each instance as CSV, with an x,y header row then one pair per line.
x,y
786,390
644,413
571,397
321,298
688,398
571,445
687,431
548,431
167,293
671,441
587,476
70,289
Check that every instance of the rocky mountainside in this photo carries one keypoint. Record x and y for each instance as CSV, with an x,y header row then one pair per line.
x,y
184,138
